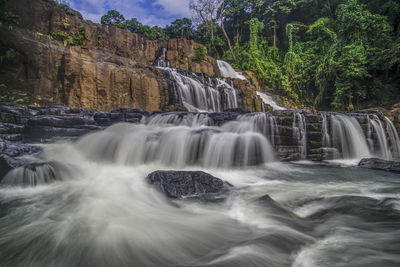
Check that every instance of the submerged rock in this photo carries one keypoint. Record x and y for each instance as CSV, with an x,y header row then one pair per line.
x,y
189,184
380,164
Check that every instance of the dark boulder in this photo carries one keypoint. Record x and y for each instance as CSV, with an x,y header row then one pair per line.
x,y
380,164
6,164
189,184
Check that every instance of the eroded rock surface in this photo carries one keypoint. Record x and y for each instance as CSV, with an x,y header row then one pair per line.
x,y
189,184
380,164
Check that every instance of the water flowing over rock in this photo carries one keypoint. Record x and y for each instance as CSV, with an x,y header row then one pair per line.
x,y
200,94
348,137
228,72
234,138
99,180
267,100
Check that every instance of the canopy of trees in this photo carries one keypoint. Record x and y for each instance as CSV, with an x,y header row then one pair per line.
x,y
331,54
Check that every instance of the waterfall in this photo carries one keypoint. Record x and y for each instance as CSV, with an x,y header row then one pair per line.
x,y
162,60
348,137
379,130
194,91
267,100
264,123
202,95
300,132
183,119
393,138
233,145
228,72
326,138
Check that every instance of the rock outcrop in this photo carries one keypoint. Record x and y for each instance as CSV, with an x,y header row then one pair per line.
x,y
189,184
380,164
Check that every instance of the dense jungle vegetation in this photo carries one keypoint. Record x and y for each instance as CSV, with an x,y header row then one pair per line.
x,y
332,54
327,54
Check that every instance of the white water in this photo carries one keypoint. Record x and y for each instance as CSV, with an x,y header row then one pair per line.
x,y
227,71
384,151
234,144
300,132
348,137
201,95
162,60
269,101
394,138
264,123
103,213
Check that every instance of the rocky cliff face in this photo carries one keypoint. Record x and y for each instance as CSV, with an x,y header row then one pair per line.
x,y
112,68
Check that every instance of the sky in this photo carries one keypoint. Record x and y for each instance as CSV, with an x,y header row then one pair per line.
x,y
151,12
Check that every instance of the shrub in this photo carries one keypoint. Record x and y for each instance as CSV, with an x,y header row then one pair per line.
x,y
200,54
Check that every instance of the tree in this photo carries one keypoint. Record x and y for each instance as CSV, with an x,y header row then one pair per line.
x,y
180,28
276,11
133,25
114,18
222,12
205,13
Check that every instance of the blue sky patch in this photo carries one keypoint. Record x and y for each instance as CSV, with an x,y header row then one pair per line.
x,y
153,12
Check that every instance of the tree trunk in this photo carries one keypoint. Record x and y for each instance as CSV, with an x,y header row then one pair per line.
x,y
274,35
227,39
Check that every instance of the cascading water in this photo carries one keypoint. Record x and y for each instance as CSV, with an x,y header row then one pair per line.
x,y
348,138
184,119
326,137
162,60
264,123
203,95
267,100
196,93
380,133
93,207
228,72
178,146
300,132
393,138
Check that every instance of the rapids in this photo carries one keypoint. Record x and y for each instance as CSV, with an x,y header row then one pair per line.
x,y
86,201
92,206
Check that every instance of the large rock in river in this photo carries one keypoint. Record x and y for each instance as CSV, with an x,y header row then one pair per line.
x,y
189,184
380,164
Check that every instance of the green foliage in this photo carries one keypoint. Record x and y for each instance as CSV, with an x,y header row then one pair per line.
x,y
335,54
200,54
113,18
180,28
12,96
77,38
7,17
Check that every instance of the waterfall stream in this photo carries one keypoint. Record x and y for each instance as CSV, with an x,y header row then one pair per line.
x,y
88,201
228,72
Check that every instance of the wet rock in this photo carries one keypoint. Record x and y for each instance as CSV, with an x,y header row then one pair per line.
x,y
380,164
189,184
7,164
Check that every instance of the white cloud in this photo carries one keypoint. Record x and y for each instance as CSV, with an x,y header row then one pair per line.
x,y
175,7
